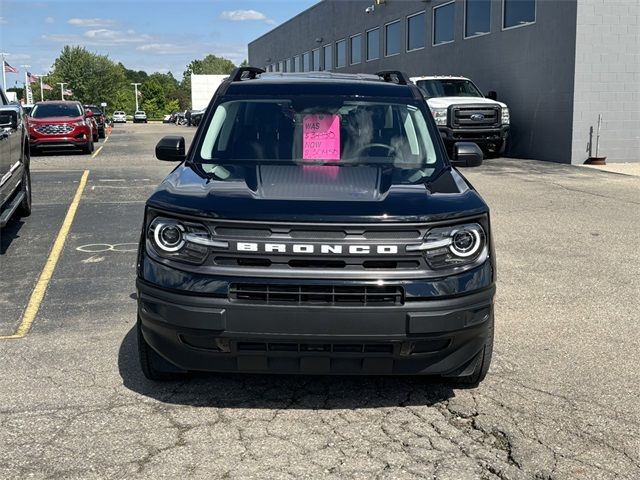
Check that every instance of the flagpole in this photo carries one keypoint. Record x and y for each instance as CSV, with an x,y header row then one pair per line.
x,y
4,74
41,91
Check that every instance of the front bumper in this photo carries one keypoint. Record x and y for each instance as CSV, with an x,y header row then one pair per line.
x,y
78,137
431,337
481,136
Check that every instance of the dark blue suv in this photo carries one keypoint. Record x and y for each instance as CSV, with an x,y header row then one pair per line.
x,y
316,226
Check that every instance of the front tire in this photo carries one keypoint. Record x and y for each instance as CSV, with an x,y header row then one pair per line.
x,y
482,364
24,210
153,366
88,148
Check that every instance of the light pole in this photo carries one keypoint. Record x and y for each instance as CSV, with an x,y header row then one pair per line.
x,y
135,87
62,84
27,100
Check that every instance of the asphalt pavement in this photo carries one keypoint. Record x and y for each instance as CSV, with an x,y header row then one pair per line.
x,y
561,400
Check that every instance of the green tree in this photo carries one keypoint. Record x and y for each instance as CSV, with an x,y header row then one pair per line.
x,y
93,78
153,100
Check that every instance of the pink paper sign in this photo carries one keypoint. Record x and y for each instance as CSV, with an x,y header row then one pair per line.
x,y
321,137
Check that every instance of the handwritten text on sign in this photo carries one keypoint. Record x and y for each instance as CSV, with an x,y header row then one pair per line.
x,y
321,137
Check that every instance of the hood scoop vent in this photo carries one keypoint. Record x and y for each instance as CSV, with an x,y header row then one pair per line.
x,y
318,182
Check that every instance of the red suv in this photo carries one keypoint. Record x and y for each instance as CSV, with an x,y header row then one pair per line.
x,y
61,124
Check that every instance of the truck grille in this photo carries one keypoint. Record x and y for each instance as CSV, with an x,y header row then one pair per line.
x,y
470,116
316,294
339,237
54,129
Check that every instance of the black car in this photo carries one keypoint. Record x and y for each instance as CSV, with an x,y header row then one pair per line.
x,y
15,180
100,117
316,226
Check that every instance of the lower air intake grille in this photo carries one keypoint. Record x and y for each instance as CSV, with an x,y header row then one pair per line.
x,y
316,294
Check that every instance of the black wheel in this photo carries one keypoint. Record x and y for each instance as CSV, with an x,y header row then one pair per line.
x,y
88,148
483,362
96,137
153,365
24,210
101,133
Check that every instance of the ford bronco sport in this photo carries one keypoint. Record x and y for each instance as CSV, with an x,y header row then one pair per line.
x,y
316,226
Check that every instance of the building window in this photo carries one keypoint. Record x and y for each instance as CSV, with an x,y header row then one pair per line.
x,y
328,57
444,23
306,66
517,13
392,38
356,49
373,44
341,53
315,60
287,65
416,31
477,18
295,67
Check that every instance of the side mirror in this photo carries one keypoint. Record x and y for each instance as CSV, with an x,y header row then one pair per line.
x,y
88,113
467,154
9,119
492,95
171,149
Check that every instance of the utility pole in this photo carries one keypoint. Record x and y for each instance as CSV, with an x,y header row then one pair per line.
x,y
135,86
4,74
27,86
62,84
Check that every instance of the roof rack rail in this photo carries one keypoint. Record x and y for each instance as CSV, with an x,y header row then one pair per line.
x,y
251,73
394,76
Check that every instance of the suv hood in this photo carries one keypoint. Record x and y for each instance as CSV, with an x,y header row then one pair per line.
x,y
55,120
365,195
444,102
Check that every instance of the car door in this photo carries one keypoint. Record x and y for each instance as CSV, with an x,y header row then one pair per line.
x,y
5,155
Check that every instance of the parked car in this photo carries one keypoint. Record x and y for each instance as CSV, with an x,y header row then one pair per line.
x,y
140,117
316,225
119,117
61,124
15,180
26,108
463,114
196,117
167,118
100,119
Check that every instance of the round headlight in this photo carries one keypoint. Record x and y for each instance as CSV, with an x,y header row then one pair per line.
x,y
465,242
169,237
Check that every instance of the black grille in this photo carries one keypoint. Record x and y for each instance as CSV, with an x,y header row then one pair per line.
x,y
54,129
316,294
475,116
342,348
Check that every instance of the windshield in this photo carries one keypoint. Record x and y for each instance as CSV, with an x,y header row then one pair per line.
x,y
448,88
139,112
318,131
95,110
56,110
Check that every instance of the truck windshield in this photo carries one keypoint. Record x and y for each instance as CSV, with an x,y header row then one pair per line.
x,y
448,88
312,131
59,110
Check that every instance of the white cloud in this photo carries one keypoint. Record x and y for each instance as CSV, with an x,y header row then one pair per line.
x,y
100,37
90,22
162,48
3,21
49,20
244,15
18,56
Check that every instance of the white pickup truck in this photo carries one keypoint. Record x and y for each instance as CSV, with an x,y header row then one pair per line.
x,y
463,114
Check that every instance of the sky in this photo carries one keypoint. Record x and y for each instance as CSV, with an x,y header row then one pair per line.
x,y
150,35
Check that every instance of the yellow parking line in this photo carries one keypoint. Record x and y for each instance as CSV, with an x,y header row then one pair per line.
x,y
47,272
106,139
97,151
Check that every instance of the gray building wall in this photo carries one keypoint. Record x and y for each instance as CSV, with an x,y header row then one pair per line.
x,y
607,79
531,67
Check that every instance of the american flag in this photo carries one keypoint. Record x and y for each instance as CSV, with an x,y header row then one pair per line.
x,y
32,78
46,87
8,68
68,92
